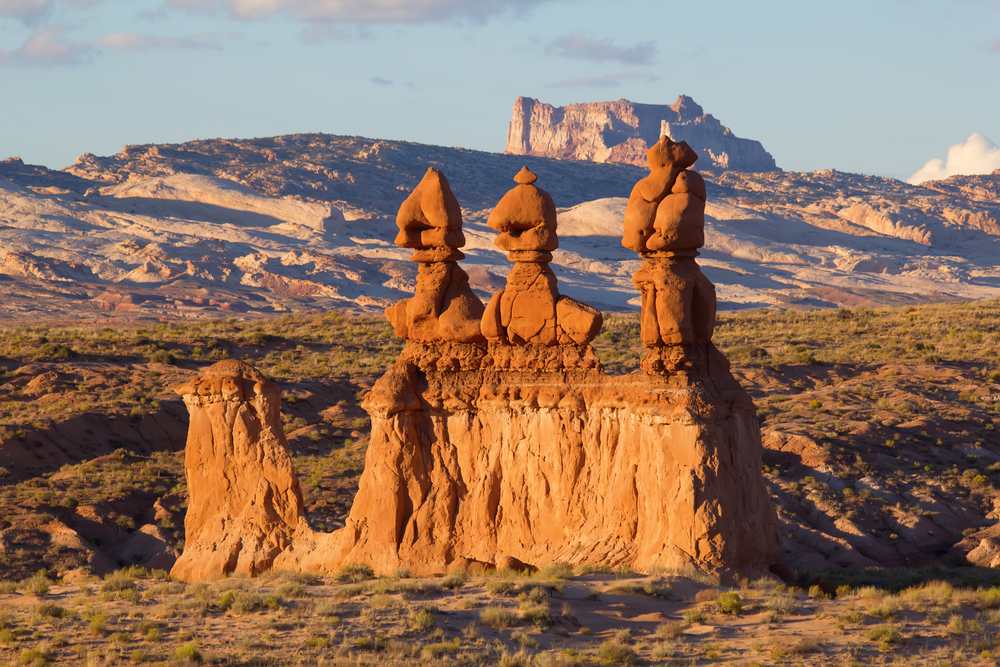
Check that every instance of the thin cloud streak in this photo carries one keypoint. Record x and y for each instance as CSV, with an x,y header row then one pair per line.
x,y
606,81
50,47
582,47
359,11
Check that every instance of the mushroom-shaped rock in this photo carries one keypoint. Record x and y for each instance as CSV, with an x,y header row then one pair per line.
x,y
244,501
431,216
525,217
443,308
530,310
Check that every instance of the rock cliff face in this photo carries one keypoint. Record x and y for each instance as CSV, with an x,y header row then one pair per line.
x,y
623,131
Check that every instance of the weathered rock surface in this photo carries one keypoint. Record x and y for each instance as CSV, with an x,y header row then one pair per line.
x,y
244,498
665,224
623,131
530,310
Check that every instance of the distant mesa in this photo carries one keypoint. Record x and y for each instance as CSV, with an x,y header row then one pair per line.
x,y
623,131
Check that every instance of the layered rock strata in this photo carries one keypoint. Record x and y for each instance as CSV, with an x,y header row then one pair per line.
x,y
623,131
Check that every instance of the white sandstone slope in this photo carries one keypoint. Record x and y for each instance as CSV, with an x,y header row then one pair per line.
x,y
307,222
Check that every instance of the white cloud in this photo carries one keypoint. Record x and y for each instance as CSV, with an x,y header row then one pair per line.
x,y
359,11
47,47
28,11
51,47
132,41
978,155
604,50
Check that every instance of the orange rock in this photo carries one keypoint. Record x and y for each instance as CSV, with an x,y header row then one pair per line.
x,y
527,310
443,308
679,223
244,501
431,216
525,217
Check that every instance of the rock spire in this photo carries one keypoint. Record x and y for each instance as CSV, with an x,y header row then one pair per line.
x,y
665,224
530,310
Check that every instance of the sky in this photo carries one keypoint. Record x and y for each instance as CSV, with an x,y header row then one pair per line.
x,y
901,88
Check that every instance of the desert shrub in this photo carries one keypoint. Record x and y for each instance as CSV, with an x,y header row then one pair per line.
x,y
355,573
624,636
435,651
616,654
524,640
36,657
188,653
291,590
455,579
138,656
730,603
501,587
50,610
117,585
536,612
246,601
37,584
154,635
669,630
696,615
422,620
497,617
556,571
886,634
225,601
98,624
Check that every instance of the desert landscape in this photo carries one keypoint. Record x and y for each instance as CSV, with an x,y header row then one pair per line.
x,y
343,360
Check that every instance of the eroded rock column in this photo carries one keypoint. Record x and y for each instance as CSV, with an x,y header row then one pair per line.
x,y
244,501
665,224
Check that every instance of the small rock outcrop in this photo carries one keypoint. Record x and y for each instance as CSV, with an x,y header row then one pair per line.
x,y
244,501
623,131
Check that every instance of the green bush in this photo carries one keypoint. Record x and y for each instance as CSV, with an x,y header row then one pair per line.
x,y
422,620
355,573
616,654
188,653
497,617
730,603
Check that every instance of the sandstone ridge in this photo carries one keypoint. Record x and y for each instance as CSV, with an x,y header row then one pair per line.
x,y
622,131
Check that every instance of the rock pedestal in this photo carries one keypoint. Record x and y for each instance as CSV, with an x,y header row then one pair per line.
x,y
244,501
507,443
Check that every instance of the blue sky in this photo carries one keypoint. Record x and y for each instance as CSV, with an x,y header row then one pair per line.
x,y
873,86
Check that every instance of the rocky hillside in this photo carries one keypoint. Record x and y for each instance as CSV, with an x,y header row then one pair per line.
x,y
301,222
623,131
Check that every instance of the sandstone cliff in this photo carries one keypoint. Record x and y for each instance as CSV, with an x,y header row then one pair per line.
x,y
623,131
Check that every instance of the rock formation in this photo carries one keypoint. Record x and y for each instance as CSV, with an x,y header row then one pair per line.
x,y
527,452
622,131
244,501
665,223
518,451
530,310
443,308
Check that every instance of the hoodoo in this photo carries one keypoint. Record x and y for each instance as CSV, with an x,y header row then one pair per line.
x,y
497,438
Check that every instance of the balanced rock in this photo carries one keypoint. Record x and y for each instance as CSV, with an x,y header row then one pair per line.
x,y
244,500
530,310
665,224
443,309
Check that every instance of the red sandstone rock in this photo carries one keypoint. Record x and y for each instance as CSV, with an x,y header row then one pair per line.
x,y
244,501
530,310
443,308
